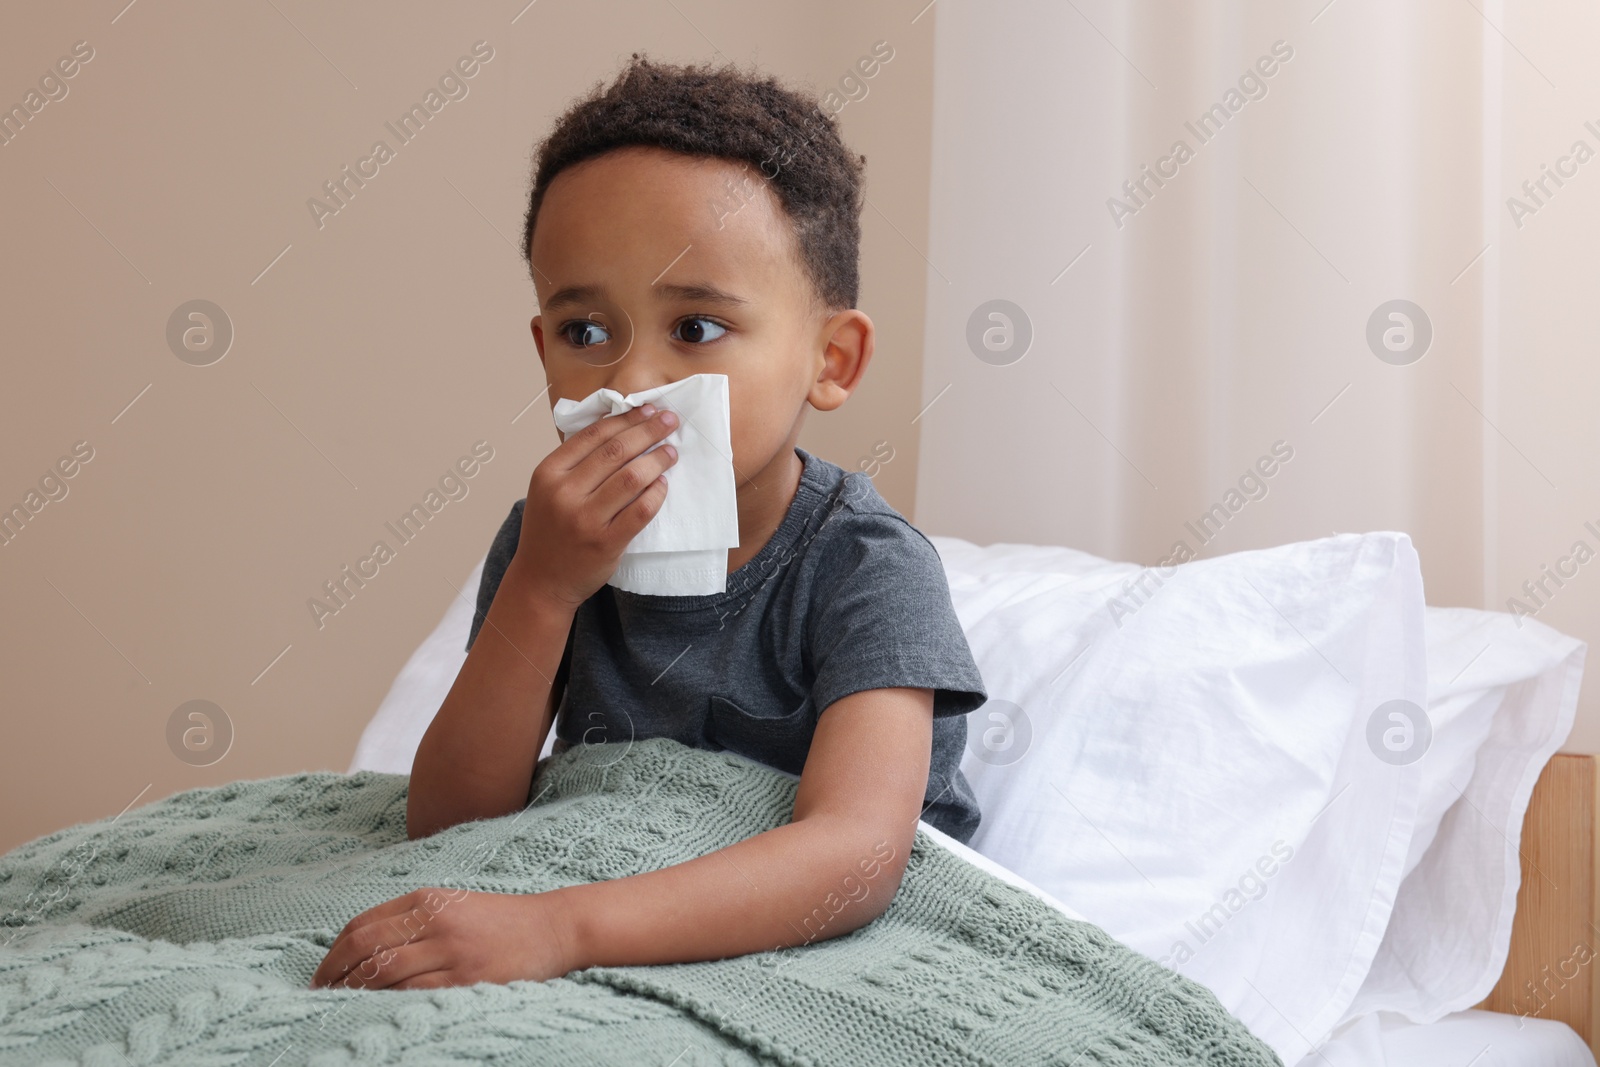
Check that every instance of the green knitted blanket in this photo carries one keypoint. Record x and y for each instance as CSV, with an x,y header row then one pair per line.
x,y
186,932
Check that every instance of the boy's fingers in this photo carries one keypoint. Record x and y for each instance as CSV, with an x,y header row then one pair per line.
x,y
383,970
376,930
347,951
578,447
637,507
618,450
627,484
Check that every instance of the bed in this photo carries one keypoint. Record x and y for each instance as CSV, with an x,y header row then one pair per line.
x,y
1287,803
1501,694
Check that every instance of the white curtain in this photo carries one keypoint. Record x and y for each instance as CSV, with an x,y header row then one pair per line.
x,y
1182,333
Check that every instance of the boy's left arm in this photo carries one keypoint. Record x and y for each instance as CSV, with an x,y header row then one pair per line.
x,y
832,869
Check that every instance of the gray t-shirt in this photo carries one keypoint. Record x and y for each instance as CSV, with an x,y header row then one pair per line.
x,y
846,596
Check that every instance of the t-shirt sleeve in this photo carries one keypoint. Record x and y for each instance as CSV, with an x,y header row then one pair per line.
x,y
501,550
883,618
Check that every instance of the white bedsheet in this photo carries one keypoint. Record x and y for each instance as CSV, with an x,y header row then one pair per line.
x,y
1465,1039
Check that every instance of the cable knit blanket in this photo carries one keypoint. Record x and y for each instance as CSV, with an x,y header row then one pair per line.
x,y
187,931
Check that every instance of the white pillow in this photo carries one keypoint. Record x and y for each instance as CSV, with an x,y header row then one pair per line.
x,y
1502,697
1190,767
1501,700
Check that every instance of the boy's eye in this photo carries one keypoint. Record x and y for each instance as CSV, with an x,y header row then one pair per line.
x,y
582,333
698,330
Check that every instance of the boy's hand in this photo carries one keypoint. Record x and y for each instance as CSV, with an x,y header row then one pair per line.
x,y
445,937
588,499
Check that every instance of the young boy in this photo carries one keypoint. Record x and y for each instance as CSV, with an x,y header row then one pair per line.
x,y
834,653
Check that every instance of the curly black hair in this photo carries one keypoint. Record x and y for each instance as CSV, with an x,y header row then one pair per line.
x,y
726,113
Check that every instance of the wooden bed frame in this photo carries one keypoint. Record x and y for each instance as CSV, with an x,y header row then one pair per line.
x,y
1550,972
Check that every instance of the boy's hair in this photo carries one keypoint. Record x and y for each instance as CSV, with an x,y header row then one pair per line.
x,y
724,113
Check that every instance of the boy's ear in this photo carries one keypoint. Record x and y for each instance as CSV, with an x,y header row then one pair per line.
x,y
847,339
536,325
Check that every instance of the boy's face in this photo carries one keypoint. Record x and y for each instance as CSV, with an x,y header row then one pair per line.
x,y
650,269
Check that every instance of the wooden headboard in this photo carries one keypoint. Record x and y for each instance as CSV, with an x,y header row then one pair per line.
x,y
1550,972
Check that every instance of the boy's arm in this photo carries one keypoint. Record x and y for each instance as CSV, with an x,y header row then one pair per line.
x,y
477,757
833,868
586,500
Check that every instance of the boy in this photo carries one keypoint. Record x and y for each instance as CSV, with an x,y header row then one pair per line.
x,y
834,653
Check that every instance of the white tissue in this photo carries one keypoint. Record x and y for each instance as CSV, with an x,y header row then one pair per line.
x,y
684,549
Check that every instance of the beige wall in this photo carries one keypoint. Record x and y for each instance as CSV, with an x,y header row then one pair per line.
x,y
368,354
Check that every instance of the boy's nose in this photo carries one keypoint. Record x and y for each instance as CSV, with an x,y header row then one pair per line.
x,y
627,384
636,372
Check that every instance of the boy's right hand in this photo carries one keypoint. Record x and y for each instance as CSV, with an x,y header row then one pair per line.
x,y
587,499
